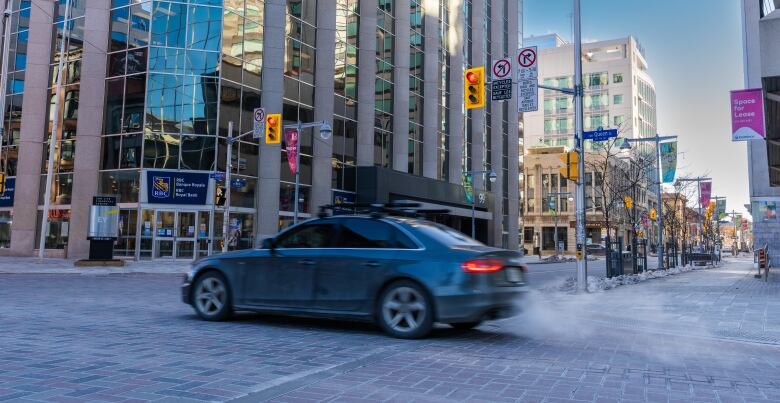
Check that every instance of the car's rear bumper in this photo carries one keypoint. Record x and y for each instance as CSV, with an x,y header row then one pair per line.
x,y
479,306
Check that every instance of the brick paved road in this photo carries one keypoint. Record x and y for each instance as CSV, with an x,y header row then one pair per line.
x,y
705,336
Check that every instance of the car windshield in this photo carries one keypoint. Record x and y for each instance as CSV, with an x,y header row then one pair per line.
x,y
444,234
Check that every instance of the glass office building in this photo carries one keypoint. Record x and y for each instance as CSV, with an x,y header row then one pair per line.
x,y
145,107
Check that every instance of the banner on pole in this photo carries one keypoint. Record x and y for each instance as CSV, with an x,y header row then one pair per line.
x,y
705,191
720,209
291,145
468,189
668,161
747,115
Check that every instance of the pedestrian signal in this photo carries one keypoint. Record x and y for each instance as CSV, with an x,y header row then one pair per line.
x,y
2,182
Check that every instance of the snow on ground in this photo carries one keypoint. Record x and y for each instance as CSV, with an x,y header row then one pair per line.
x,y
600,284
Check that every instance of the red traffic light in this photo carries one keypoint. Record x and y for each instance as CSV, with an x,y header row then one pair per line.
x,y
271,120
471,77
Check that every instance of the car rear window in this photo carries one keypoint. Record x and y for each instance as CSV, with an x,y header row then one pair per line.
x,y
443,234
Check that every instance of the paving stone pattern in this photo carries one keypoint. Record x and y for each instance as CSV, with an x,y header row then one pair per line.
x,y
126,337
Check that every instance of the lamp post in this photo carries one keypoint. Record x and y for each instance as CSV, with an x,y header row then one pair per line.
x,y
325,132
698,181
660,220
492,177
556,196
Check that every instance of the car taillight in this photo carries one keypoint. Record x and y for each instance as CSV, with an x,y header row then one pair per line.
x,y
482,265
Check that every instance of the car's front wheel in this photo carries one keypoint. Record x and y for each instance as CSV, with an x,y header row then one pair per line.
x,y
211,297
405,311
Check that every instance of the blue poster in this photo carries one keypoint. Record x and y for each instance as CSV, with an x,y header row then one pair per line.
x,y
171,187
343,202
669,161
7,198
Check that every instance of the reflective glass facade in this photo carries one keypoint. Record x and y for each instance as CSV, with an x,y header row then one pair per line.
x,y
178,72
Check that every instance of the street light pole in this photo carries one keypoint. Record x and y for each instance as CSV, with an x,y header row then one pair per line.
x,y
660,212
228,171
4,78
582,265
54,129
325,132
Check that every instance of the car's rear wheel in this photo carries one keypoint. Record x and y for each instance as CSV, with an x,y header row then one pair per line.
x,y
211,297
466,325
405,311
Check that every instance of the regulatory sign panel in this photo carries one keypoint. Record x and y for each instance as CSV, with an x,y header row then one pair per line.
x,y
258,127
501,90
528,95
502,69
527,63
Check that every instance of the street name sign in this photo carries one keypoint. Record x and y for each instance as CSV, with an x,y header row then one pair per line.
x,y
220,176
599,134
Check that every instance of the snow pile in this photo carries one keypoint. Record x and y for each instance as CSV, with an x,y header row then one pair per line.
x,y
602,283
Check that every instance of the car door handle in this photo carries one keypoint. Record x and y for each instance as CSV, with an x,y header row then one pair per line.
x,y
371,264
306,262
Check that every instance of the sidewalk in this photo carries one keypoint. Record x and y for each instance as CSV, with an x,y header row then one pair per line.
x,y
30,265
724,302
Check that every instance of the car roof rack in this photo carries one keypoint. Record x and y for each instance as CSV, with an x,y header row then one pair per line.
x,y
378,210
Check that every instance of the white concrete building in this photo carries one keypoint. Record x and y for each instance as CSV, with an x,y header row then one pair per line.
x,y
761,42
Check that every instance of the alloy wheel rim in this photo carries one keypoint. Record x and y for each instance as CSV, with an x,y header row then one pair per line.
x,y
404,309
210,296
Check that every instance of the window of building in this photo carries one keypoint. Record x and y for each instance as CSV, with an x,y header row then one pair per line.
x,y
617,99
618,120
528,234
617,78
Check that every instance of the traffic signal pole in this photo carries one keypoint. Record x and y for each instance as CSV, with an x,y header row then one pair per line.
x,y
582,265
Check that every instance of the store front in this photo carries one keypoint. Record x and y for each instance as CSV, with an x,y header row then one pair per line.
x,y
179,218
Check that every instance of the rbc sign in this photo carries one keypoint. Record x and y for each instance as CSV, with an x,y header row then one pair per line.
x,y
169,187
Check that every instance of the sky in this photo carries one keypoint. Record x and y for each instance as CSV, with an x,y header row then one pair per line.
x,y
694,53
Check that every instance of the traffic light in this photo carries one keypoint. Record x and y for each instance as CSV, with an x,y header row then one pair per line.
x,y
571,167
653,214
2,182
474,87
629,202
273,128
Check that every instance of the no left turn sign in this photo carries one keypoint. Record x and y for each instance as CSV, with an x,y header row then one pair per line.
x,y
501,69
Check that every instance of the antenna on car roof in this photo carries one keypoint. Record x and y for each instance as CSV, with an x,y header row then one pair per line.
x,y
378,210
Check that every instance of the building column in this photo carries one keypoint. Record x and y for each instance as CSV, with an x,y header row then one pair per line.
x,y
323,106
513,144
401,86
431,88
496,122
273,91
34,109
90,126
477,115
366,83
456,121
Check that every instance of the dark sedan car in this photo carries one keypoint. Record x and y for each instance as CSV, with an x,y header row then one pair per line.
x,y
403,273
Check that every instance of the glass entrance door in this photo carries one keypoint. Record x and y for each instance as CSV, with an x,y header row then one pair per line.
x,y
164,235
185,236
176,234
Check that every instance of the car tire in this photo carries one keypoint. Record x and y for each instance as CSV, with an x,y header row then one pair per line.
x,y
405,311
466,325
211,297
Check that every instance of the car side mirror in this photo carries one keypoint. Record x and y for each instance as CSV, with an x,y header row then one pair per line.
x,y
269,244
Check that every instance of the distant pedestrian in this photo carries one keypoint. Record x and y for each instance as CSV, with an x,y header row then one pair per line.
x,y
537,249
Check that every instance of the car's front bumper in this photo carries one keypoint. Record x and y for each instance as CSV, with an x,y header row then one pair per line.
x,y
185,292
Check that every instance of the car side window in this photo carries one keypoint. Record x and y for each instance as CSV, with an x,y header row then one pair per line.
x,y
308,236
363,233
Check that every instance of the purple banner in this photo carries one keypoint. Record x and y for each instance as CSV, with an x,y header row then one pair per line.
x,y
291,145
705,191
747,115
